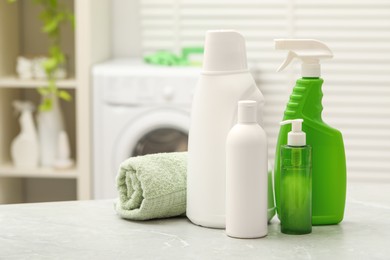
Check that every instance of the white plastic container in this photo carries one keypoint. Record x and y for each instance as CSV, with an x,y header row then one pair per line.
x,y
224,81
25,146
246,176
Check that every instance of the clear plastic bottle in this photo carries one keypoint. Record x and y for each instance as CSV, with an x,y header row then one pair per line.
x,y
295,182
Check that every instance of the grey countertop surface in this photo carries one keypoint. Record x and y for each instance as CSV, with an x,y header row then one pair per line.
x,y
92,230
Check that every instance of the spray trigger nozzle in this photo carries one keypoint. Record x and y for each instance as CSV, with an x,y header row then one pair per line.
x,y
290,56
296,137
21,106
308,50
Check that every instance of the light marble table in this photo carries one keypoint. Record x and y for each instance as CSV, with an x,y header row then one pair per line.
x,y
92,230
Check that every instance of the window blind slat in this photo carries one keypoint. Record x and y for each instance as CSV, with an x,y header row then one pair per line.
x,y
357,81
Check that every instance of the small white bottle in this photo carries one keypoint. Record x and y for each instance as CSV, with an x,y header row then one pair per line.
x,y
246,175
25,146
63,160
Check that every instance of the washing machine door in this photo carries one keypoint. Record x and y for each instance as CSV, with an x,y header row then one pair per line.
x,y
162,130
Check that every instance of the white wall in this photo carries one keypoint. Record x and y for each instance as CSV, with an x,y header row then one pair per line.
x,y
357,81
126,28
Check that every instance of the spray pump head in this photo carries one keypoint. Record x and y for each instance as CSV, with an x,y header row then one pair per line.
x,y
21,106
308,50
296,137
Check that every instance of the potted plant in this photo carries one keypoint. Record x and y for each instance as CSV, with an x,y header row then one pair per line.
x,y
53,15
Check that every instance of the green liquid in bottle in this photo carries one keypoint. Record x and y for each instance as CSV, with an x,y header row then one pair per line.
x,y
295,190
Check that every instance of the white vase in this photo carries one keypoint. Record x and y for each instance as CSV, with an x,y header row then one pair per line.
x,y
50,124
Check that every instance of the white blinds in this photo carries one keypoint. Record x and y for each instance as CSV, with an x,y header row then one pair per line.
x,y
357,81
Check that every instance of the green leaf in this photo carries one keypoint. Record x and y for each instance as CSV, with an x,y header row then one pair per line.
x,y
46,104
61,16
54,50
50,65
50,26
57,54
53,3
52,87
41,2
11,1
43,91
71,18
64,95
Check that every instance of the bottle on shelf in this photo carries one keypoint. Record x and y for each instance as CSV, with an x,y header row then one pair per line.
x,y
63,160
25,146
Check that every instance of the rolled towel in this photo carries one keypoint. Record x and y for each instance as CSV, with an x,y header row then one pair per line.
x,y
152,186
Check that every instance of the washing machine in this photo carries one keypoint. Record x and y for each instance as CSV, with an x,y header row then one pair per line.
x,y
138,109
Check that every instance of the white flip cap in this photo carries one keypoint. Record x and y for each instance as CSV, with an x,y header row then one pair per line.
x,y
296,137
308,50
224,51
247,111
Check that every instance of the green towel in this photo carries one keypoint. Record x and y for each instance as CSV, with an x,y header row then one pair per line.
x,y
152,186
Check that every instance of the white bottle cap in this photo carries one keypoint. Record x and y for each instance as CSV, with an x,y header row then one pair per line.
x,y
224,51
247,111
296,137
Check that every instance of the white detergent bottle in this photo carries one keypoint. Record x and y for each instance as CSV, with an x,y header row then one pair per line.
x,y
224,81
246,175
25,146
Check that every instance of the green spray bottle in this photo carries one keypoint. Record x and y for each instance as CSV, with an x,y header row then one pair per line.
x,y
328,157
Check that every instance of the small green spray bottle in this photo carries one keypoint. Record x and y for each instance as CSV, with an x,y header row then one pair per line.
x,y
295,182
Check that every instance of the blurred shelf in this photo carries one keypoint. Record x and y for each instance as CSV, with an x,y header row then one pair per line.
x,y
14,82
8,170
